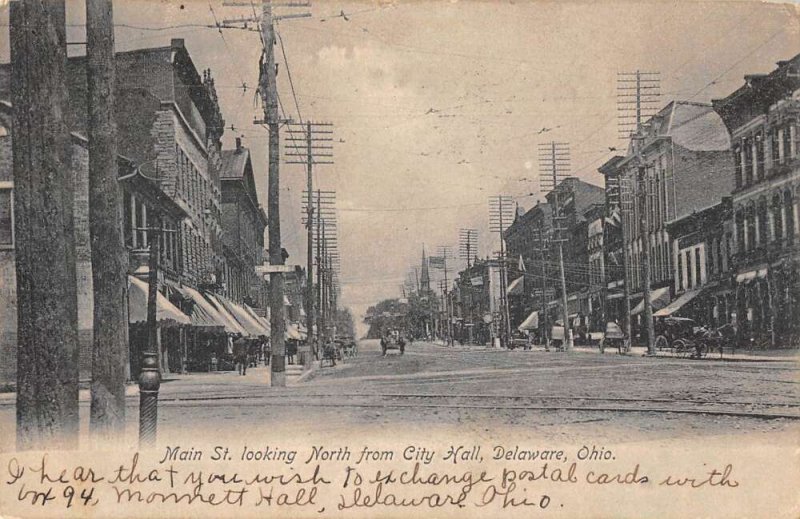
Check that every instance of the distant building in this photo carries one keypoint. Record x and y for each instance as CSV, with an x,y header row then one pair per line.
x,y
763,117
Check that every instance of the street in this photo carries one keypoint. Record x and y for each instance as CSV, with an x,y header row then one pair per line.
x,y
480,392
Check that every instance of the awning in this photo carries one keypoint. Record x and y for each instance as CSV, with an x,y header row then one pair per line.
x,y
137,305
260,320
204,313
517,287
678,303
230,320
293,333
530,323
659,298
751,275
252,326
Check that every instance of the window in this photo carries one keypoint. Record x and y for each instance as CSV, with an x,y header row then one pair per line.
x,y
763,232
741,245
688,269
788,209
775,141
6,217
748,161
737,165
750,218
679,274
760,144
698,270
787,139
777,211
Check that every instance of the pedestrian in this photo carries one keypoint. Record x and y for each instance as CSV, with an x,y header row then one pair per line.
x,y
240,354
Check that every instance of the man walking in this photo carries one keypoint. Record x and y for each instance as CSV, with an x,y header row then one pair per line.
x,y
240,354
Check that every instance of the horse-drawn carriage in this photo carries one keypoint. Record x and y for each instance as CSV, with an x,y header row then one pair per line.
x,y
393,341
614,337
684,338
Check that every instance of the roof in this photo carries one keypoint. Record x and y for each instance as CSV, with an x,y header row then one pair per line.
x,y
696,126
234,163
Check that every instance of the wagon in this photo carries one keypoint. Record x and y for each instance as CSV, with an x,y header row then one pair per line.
x,y
613,337
682,337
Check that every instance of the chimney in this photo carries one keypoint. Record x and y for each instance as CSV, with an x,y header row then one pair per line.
x,y
238,144
177,43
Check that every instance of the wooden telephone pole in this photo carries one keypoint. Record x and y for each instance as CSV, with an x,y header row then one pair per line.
x,y
269,98
47,312
554,161
316,140
638,97
109,258
501,215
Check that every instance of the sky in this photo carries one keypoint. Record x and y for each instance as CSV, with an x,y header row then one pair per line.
x,y
437,106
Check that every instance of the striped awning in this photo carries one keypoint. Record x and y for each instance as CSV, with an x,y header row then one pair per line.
x,y
530,323
517,287
659,298
137,305
679,303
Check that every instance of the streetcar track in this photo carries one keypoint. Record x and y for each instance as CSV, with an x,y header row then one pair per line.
x,y
641,410
420,396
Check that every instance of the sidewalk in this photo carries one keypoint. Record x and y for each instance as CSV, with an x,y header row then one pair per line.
x,y
641,351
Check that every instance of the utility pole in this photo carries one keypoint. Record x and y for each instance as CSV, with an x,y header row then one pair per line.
x,y
625,209
309,135
542,248
109,258
47,313
643,236
269,98
444,252
501,215
468,245
319,215
638,97
555,157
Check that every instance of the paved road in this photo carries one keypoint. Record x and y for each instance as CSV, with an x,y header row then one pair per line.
x,y
482,390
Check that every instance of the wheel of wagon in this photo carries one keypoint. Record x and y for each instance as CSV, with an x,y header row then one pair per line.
x,y
701,349
661,343
681,349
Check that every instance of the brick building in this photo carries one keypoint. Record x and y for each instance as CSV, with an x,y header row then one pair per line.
x,y
685,151
763,117
243,224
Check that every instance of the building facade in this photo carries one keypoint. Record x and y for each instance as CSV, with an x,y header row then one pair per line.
x,y
763,117
243,224
677,165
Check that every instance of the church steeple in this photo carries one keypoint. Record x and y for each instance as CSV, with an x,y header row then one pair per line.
x,y
425,278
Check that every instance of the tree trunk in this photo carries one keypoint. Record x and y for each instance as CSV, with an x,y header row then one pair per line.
x,y
109,258
47,312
